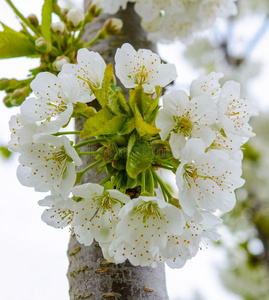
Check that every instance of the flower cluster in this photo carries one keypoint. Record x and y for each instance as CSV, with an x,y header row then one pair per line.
x,y
167,20
197,137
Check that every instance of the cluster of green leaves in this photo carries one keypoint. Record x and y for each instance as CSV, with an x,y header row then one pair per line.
x,y
131,146
38,40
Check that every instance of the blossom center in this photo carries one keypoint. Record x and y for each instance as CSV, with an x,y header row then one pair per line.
x,y
141,75
190,174
105,202
148,210
183,125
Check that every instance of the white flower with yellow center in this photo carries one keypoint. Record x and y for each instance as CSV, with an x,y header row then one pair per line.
x,y
199,228
22,132
207,85
150,9
49,163
144,227
207,180
227,142
142,67
186,119
89,70
111,7
96,214
60,213
53,106
235,112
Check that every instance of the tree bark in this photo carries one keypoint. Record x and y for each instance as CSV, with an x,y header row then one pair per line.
x,y
90,276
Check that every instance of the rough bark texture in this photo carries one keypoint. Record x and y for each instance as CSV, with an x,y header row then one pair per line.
x,y
90,276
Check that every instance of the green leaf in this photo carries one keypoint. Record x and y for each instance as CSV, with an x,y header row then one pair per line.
x,y
46,19
145,103
119,161
122,101
139,158
142,127
131,143
108,76
102,94
5,153
103,123
113,102
15,44
127,127
6,28
83,108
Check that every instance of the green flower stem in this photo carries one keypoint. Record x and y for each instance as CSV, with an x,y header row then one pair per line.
x,y
27,32
150,181
27,22
83,115
164,167
80,32
105,179
93,141
66,132
165,162
59,45
82,172
93,41
88,153
163,186
143,182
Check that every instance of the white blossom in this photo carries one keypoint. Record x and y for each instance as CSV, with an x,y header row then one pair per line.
x,y
168,20
60,213
207,180
53,105
111,7
144,227
75,16
199,228
142,67
235,112
207,85
180,19
89,70
186,119
96,215
48,163
22,132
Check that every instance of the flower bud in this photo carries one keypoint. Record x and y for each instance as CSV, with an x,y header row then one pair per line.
x,y
4,83
17,97
42,45
33,20
58,27
7,100
64,12
112,26
95,9
75,17
60,61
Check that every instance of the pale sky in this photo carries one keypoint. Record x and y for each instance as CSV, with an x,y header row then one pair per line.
x,y
33,255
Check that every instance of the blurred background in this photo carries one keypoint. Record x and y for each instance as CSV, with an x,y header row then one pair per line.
x,y
33,255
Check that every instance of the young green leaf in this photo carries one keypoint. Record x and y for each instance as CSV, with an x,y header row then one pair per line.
x,y
139,158
127,127
15,44
46,19
142,127
103,123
